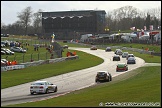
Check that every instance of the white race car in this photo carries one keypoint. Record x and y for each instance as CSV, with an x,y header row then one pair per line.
x,y
42,87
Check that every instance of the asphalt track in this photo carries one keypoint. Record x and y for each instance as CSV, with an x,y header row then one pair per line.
x,y
70,81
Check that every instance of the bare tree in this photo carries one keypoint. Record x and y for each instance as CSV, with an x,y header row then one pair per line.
x,y
25,17
3,28
37,19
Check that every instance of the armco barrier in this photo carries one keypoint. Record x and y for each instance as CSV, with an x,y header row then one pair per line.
x,y
72,57
36,63
56,60
142,51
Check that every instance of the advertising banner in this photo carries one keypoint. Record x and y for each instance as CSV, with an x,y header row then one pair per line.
x,y
13,67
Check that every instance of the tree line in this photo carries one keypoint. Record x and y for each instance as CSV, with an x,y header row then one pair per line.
x,y
128,16
122,18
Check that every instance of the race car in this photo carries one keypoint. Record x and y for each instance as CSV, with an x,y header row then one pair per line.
x,y
125,54
103,76
93,48
130,55
121,67
108,49
116,58
42,87
131,60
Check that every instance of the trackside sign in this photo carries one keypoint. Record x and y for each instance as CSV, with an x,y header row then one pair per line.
x,y
6,68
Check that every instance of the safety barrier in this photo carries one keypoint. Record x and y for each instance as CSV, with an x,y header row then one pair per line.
x,y
36,63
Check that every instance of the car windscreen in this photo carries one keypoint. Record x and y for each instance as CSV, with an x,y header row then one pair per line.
x,y
125,53
130,58
37,84
121,65
101,73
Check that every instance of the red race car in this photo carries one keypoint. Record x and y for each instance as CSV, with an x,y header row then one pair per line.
x,y
122,67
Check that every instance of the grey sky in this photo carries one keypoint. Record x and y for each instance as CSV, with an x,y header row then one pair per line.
x,y
10,9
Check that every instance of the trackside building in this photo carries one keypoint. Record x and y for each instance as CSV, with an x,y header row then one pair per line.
x,y
71,24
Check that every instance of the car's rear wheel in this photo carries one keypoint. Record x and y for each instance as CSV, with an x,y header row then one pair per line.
x,y
31,93
47,91
96,80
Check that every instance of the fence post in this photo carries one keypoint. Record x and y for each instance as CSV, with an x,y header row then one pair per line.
x,y
31,41
6,57
31,59
15,57
23,57
46,55
38,56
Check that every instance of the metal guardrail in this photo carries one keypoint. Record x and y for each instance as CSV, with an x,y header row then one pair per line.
x,y
142,51
36,63
40,62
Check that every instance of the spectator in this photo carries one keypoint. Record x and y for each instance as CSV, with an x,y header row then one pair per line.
x,y
8,63
68,53
13,62
34,48
26,43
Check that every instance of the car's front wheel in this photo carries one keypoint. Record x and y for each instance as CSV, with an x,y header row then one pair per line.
x,y
110,77
55,89
31,93
107,79
96,80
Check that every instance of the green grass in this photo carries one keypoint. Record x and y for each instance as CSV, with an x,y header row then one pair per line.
x,y
28,74
143,86
146,57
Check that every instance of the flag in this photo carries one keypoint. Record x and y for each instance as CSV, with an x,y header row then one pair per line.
x,y
151,27
145,28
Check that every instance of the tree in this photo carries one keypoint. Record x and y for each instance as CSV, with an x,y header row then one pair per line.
x,y
37,19
25,17
148,21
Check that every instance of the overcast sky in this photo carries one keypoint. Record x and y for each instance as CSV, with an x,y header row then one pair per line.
x,y
10,9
